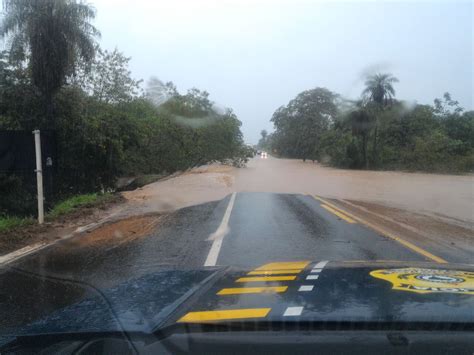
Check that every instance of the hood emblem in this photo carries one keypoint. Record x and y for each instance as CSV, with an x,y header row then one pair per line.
x,y
428,280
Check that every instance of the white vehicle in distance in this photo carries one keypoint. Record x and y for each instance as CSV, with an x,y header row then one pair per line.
x,y
264,155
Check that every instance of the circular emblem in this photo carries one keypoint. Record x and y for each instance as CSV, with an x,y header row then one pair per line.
x,y
420,280
439,278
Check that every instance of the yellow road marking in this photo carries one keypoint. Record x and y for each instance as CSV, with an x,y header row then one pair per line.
x,y
206,316
241,290
386,233
274,272
283,265
266,278
339,214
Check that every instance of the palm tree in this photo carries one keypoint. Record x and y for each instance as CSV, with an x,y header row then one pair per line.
x,y
52,37
362,122
379,93
379,88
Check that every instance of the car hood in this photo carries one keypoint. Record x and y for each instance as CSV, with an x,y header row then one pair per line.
x,y
302,291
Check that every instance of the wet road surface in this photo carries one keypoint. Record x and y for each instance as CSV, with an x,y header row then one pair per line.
x,y
261,228
267,227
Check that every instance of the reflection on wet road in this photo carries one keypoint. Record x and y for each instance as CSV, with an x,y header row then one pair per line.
x,y
261,228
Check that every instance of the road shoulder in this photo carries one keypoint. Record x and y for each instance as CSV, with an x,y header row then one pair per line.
x,y
448,241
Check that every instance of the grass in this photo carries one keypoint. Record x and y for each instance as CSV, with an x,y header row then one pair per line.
x,y
8,223
73,203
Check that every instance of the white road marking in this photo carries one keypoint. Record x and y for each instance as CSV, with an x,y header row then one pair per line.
x,y
17,254
219,234
316,270
320,265
312,277
30,249
293,311
306,288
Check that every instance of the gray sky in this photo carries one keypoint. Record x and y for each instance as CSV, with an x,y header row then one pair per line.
x,y
255,56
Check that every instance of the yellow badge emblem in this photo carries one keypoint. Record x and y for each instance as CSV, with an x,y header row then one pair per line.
x,y
428,280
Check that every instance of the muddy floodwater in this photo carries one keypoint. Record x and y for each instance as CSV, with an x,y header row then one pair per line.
x,y
444,196
140,237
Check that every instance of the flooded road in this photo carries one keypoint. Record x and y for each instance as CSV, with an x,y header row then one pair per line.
x,y
443,196
435,194
219,215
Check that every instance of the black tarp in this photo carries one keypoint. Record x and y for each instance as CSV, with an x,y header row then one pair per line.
x,y
17,151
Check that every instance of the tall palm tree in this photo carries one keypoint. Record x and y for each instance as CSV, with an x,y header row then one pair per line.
x,y
362,122
379,92
52,37
379,88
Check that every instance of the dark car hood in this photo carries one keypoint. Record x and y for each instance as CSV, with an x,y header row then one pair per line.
x,y
377,292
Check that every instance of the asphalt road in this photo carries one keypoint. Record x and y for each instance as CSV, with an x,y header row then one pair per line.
x,y
244,230
267,227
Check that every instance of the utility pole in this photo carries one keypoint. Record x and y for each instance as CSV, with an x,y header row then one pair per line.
x,y
39,176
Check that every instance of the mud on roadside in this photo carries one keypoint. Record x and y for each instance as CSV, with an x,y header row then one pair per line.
x,y
117,232
445,236
58,227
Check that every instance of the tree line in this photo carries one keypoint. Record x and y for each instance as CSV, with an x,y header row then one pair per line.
x,y
55,76
375,132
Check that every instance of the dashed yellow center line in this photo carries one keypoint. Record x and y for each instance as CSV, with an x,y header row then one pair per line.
x,y
266,278
339,214
386,233
286,265
244,290
207,316
274,272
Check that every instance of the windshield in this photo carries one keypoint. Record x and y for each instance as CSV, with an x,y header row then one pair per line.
x,y
238,157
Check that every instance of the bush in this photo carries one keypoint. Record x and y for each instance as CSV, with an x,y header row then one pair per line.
x,y
337,147
98,142
18,195
436,152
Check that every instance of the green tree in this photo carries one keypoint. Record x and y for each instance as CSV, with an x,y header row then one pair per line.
x,y
379,94
52,37
447,106
20,106
406,136
361,123
379,88
301,123
107,78
195,104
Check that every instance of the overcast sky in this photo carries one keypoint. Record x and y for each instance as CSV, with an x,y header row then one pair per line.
x,y
255,56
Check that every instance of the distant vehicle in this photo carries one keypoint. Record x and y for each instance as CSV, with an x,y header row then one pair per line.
x,y
259,152
264,155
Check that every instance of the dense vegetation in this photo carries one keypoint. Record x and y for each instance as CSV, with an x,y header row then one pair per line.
x,y
375,132
55,76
